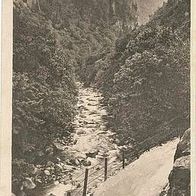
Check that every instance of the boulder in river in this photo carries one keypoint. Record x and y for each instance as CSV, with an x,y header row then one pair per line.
x,y
56,183
50,163
80,132
90,126
28,184
59,167
101,132
86,163
100,157
59,146
93,112
47,172
82,116
114,153
92,154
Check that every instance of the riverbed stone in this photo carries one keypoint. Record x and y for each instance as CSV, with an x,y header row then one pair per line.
x,y
92,154
47,172
80,132
90,128
58,167
28,184
86,163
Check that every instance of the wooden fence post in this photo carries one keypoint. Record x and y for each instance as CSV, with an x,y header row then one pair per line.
x,y
106,169
85,183
68,193
123,159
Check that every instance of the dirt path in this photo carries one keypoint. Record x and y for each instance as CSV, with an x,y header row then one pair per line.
x,y
92,142
146,176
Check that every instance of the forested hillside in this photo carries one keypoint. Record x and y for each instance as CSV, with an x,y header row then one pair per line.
x,y
146,79
44,93
142,72
52,39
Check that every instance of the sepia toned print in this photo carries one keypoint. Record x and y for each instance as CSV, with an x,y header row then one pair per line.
x,y
101,98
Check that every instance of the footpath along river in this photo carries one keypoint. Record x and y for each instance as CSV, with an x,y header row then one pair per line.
x,y
146,176
92,142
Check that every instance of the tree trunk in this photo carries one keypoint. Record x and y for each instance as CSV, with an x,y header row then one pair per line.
x,y
38,5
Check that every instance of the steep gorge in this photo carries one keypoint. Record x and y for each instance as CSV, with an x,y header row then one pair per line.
x,y
145,79
51,41
99,43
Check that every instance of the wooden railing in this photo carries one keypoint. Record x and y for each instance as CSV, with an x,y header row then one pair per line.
x,y
127,158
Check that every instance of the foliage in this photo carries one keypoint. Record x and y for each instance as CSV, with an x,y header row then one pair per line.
x,y
44,91
146,80
54,41
144,75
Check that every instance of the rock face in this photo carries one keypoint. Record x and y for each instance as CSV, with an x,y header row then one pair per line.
x,y
179,178
129,91
146,8
120,13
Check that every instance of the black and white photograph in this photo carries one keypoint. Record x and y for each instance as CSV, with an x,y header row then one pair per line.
x,y
101,98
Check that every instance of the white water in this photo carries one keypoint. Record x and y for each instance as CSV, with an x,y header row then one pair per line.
x,y
91,133
145,176
90,136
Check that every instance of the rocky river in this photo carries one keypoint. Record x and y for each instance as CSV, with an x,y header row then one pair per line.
x,y
92,142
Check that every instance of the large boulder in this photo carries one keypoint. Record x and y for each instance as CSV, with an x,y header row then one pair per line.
x,y
184,146
179,178
28,184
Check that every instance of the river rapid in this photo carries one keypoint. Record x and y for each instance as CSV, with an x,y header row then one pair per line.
x,y
92,143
